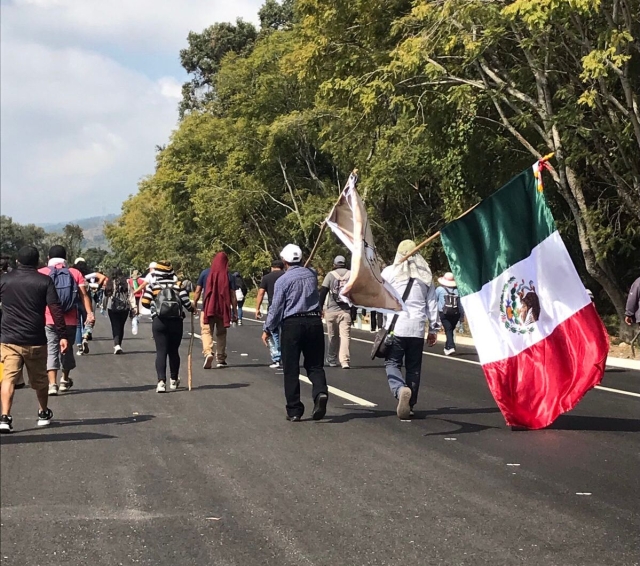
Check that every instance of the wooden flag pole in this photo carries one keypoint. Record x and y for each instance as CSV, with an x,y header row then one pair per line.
x,y
323,226
190,356
431,238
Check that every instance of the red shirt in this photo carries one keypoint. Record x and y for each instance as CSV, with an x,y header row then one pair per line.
x,y
135,285
71,317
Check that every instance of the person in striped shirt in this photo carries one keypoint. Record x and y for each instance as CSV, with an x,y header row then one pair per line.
x,y
167,300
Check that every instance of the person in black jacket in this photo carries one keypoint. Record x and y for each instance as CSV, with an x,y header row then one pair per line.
x,y
25,294
241,294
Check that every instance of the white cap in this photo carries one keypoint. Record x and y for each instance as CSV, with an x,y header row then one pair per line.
x,y
152,265
79,259
291,253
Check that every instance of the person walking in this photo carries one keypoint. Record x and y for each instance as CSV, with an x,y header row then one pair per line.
x,y
120,303
407,337
135,283
71,287
449,309
241,294
26,296
83,329
205,329
166,300
337,314
219,305
632,309
267,285
296,311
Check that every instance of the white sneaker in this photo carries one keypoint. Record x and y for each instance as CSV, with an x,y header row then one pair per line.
x,y
174,383
448,352
65,385
53,389
208,361
161,388
117,350
275,365
222,365
333,365
404,399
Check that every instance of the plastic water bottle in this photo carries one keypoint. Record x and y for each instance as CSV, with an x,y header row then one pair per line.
x,y
134,325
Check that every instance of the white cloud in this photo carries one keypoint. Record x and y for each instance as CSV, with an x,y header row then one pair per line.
x,y
79,129
156,25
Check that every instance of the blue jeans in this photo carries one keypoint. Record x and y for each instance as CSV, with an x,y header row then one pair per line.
x,y
240,311
408,350
274,346
82,317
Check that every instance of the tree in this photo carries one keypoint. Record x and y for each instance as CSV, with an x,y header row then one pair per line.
x,y
276,16
94,257
14,236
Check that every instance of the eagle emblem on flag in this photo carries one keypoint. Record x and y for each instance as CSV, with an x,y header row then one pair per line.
x,y
519,306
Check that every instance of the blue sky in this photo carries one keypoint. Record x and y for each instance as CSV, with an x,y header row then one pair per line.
x,y
88,89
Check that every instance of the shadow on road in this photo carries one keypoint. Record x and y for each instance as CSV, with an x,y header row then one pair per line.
x,y
603,424
96,422
124,353
223,386
17,438
420,415
128,389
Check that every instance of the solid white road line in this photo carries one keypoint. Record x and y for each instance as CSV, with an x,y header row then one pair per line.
x,y
333,390
630,393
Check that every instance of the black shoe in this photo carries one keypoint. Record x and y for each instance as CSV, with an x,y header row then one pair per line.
x,y
44,417
6,424
294,418
20,386
320,407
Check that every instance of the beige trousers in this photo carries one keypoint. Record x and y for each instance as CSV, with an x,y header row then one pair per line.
x,y
339,333
207,339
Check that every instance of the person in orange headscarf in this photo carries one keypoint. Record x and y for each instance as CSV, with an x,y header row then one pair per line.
x,y
217,304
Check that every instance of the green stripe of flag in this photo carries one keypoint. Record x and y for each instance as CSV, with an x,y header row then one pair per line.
x,y
501,231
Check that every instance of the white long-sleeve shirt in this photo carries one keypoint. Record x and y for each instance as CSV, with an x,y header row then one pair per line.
x,y
422,306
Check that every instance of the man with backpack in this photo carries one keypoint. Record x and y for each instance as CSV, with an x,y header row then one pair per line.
x,y
337,314
25,295
71,287
449,309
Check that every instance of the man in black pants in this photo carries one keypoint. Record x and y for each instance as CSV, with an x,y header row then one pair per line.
x,y
295,309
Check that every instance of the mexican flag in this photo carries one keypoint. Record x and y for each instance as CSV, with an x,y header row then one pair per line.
x,y
540,340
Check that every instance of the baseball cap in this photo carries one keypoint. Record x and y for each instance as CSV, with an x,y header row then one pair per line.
x,y
339,260
79,259
291,253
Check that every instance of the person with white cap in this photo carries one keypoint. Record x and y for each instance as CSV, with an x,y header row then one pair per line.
x,y
411,279
450,309
337,313
295,310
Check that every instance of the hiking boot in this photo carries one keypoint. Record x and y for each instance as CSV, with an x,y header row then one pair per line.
x,y
6,424
117,350
320,407
208,361
174,384
404,400
162,387
53,389
65,384
44,417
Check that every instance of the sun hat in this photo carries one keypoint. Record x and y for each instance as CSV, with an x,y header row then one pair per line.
x,y
291,253
447,280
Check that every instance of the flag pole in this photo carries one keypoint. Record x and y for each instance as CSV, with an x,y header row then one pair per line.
x,y
323,226
431,238
543,160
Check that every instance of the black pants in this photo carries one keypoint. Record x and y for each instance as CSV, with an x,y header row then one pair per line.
x,y
302,335
167,334
376,320
118,321
449,323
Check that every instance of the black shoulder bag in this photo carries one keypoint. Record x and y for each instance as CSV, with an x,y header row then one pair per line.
x,y
381,343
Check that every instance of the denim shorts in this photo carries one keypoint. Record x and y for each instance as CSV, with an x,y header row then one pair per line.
x,y
56,360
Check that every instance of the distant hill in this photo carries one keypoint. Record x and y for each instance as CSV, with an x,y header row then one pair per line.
x,y
93,229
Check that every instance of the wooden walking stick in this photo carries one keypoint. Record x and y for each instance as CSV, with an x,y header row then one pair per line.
x,y
190,356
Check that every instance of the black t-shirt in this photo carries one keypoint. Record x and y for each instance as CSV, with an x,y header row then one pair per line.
x,y
269,282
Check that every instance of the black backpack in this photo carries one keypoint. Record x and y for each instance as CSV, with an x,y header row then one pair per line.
x,y
120,300
168,303
451,304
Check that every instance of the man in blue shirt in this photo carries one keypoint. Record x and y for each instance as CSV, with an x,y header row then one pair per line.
x,y
296,311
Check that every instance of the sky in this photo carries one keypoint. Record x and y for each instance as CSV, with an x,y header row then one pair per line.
x,y
88,89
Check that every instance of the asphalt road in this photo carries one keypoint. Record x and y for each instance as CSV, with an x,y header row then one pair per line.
x,y
217,476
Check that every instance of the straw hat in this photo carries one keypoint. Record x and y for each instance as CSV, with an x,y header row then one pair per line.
x,y
447,280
